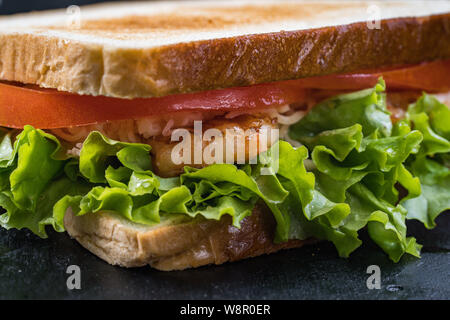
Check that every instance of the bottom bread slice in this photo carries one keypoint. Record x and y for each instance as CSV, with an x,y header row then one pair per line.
x,y
176,246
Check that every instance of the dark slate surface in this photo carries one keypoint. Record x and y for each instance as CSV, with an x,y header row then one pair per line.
x,y
18,6
35,268
32,268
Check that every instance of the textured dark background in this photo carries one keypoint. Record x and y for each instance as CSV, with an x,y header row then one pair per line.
x,y
34,268
15,6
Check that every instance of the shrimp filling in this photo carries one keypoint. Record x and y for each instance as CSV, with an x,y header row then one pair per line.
x,y
243,136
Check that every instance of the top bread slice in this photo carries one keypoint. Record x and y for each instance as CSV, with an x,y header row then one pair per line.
x,y
148,49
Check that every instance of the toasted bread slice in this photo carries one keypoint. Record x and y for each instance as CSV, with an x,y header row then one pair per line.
x,y
148,49
175,246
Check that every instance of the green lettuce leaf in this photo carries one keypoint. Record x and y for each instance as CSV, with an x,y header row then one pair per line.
x,y
32,180
265,187
98,152
366,107
430,164
358,157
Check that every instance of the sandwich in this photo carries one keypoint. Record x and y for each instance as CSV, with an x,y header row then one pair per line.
x,y
179,134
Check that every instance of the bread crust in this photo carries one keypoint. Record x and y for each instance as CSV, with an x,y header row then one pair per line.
x,y
94,69
179,246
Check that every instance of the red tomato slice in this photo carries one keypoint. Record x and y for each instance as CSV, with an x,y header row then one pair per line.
x,y
50,109
431,77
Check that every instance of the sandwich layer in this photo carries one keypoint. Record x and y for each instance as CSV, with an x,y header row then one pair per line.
x,y
165,48
176,246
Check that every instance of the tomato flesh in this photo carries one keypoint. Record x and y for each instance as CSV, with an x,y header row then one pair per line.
x,y
431,77
51,109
